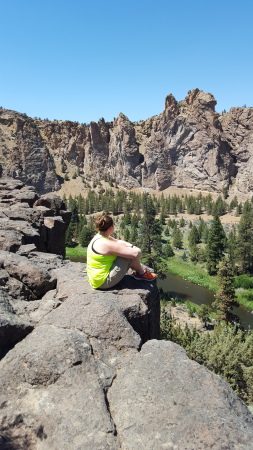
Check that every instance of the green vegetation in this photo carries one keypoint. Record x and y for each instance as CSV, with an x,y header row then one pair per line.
x,y
227,351
193,249
215,246
245,298
225,296
199,251
76,251
190,272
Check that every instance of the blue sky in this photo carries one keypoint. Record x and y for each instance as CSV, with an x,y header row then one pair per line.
x,y
82,60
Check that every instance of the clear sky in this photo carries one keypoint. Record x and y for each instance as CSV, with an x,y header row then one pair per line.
x,y
82,60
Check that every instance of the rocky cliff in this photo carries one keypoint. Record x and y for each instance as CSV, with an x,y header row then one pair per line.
x,y
85,369
188,145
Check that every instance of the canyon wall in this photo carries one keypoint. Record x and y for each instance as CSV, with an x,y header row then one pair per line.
x,y
188,145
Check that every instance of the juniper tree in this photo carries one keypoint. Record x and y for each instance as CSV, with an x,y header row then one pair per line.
x,y
245,240
215,245
150,236
85,236
194,253
72,231
168,250
232,246
227,352
225,296
203,314
177,238
193,237
201,228
182,222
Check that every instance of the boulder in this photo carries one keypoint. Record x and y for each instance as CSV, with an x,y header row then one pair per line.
x,y
12,328
10,240
29,275
26,219
161,399
84,368
63,393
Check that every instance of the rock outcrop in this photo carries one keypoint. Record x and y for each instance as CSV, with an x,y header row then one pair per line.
x,y
85,369
188,145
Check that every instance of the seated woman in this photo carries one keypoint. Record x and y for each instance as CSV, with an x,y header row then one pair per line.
x,y
109,259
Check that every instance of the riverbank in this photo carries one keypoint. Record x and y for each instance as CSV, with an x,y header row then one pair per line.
x,y
188,271
184,269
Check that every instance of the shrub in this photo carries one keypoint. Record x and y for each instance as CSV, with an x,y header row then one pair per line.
x,y
191,309
248,295
243,281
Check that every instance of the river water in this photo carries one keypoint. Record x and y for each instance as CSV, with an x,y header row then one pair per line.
x,y
178,287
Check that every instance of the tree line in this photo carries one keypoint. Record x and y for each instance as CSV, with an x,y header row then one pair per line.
x,y
228,254
120,201
151,222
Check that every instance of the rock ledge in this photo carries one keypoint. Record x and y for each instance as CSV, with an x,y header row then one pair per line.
x,y
85,369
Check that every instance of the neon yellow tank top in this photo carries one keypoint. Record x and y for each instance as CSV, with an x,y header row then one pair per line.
x,y
98,266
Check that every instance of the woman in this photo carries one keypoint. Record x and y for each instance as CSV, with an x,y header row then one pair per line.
x,y
109,259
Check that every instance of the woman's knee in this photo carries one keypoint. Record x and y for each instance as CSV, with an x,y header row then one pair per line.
x,y
138,253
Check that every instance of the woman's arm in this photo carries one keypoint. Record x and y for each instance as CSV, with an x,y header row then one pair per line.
x,y
109,247
127,244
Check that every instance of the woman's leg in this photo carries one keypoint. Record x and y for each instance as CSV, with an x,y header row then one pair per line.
x,y
117,272
136,263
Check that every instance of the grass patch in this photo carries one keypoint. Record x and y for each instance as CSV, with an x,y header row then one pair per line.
x,y
75,252
192,273
245,298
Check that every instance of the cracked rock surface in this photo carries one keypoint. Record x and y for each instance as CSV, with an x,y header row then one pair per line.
x,y
85,369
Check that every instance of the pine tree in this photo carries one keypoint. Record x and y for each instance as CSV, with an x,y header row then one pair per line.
x,y
245,240
150,237
203,314
166,231
219,207
127,218
177,238
72,231
225,296
208,204
168,250
215,245
85,236
194,253
193,237
182,222
232,246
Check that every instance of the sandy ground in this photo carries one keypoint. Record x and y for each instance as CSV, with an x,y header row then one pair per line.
x,y
182,317
76,187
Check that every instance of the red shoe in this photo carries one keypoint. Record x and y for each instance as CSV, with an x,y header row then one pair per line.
x,y
147,276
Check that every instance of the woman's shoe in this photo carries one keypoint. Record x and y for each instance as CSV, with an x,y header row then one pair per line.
x,y
147,276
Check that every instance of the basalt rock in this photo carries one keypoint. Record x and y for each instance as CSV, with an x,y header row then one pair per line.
x,y
188,145
27,231
26,219
85,369
85,378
